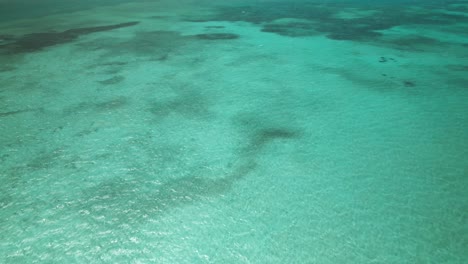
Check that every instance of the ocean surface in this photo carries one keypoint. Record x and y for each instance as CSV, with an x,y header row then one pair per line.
x,y
248,131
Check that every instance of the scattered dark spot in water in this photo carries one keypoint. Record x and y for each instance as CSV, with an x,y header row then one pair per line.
x,y
217,36
413,43
6,39
4,157
104,106
112,71
414,40
59,128
113,80
460,8
463,68
108,68
15,112
260,134
291,29
4,114
277,133
385,59
111,104
157,17
408,83
215,27
356,34
162,57
7,68
44,160
265,136
87,132
38,41
114,63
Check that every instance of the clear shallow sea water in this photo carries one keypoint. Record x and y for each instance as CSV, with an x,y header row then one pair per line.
x,y
240,132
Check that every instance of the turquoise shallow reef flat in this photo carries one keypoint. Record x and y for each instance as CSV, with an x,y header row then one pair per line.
x,y
233,132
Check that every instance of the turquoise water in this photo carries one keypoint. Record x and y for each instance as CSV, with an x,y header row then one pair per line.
x,y
240,132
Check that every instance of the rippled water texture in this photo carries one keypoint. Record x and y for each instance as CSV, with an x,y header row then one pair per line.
x,y
238,132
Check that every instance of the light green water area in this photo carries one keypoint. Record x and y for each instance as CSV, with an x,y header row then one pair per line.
x,y
233,131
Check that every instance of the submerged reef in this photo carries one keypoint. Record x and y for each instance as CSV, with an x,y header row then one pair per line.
x,y
290,29
38,41
217,36
338,21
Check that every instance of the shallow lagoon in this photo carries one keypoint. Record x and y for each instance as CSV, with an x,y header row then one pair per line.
x,y
248,132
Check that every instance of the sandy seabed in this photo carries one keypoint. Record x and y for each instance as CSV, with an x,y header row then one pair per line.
x,y
248,132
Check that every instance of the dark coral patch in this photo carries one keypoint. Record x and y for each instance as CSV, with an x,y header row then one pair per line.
x,y
291,29
214,27
217,36
38,41
114,80
407,83
5,38
354,34
9,113
267,135
413,43
88,30
328,19
97,107
6,68
461,68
